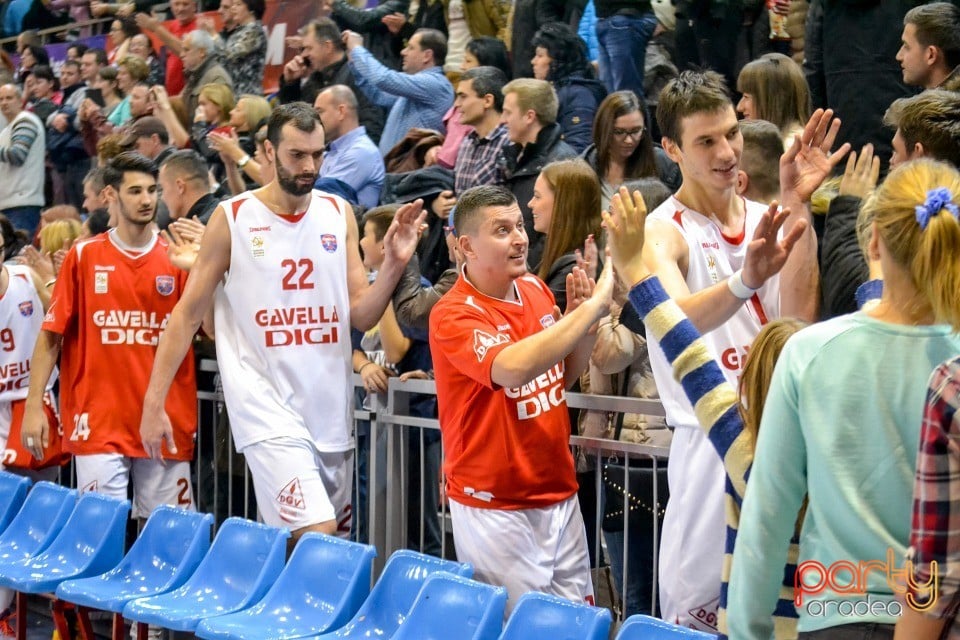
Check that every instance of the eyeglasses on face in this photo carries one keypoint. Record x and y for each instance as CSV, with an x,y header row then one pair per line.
x,y
636,133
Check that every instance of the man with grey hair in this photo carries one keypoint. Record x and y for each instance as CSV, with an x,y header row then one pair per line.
x,y
201,66
22,148
351,155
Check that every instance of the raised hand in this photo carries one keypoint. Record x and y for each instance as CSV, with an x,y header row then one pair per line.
x,y
588,259
42,264
181,252
579,288
861,175
400,241
765,254
808,161
625,235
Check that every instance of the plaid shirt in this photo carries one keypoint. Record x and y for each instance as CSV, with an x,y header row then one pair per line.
x,y
936,508
477,160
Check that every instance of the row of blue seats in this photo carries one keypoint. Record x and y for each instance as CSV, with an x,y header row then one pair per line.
x,y
240,587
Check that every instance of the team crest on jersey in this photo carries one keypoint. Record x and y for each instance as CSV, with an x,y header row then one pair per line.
x,y
291,501
483,341
100,282
329,242
548,321
26,308
165,285
256,244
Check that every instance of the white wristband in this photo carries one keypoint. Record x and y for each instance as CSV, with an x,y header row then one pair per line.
x,y
738,288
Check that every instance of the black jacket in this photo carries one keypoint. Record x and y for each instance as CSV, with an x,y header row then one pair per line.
x,y
842,265
378,40
522,165
370,115
579,98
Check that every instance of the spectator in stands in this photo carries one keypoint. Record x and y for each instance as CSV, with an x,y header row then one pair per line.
x,y
215,101
76,50
774,89
246,48
93,118
417,97
91,61
351,155
926,127
30,56
95,224
758,178
93,198
623,147
706,36
202,67
64,142
185,21
322,63
859,498
121,31
530,115
237,146
487,52
227,19
930,45
561,58
22,150
141,47
624,28
149,137
40,92
566,209
131,70
185,186
378,39
480,101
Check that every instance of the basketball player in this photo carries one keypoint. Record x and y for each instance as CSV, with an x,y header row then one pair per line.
x,y
699,244
503,359
293,284
111,301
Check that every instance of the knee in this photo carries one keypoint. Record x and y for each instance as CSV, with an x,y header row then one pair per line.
x,y
329,527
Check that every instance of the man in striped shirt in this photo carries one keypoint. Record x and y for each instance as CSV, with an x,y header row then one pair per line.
x,y
22,146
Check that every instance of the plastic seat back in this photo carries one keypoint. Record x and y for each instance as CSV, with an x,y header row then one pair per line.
x,y
450,607
13,491
323,585
40,519
538,615
244,561
166,553
639,627
395,592
91,542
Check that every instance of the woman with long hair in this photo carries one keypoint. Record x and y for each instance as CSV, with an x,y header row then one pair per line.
x,y
487,51
774,89
561,58
121,31
236,146
566,207
623,147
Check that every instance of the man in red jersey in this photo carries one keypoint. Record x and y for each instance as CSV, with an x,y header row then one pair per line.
x,y
111,302
503,358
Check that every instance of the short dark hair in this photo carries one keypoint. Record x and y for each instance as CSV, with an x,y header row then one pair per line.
x,y
474,200
689,93
323,29
931,118
79,46
491,52
299,114
127,162
256,7
39,54
43,72
436,42
938,24
487,80
98,221
70,63
187,164
100,54
762,148
381,217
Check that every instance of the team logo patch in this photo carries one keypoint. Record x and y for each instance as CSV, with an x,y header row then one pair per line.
x,y
26,308
256,244
165,285
100,282
548,321
291,501
482,342
329,242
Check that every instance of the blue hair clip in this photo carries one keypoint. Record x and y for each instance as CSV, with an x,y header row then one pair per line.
x,y
937,199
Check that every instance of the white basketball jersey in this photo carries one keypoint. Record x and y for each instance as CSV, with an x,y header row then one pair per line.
x,y
713,258
283,324
21,314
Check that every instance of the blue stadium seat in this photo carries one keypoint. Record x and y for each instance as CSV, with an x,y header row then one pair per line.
x,y
640,627
453,608
538,615
169,548
322,587
90,543
38,522
13,491
244,561
393,595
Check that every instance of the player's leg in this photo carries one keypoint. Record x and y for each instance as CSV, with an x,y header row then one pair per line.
x,y
571,575
290,487
504,548
106,473
157,482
